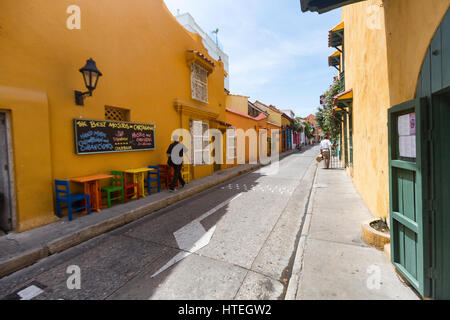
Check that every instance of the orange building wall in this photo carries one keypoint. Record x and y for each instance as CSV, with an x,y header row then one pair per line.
x,y
140,49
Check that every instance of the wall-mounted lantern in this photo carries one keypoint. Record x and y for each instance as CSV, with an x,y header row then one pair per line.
x,y
90,75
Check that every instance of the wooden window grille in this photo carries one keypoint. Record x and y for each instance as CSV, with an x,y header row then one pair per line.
x,y
253,112
117,114
199,83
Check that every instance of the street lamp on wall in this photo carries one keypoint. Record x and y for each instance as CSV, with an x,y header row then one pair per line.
x,y
90,75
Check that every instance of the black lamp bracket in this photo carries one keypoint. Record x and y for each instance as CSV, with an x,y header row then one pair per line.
x,y
79,97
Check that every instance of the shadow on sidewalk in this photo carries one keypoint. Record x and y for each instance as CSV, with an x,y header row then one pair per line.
x,y
124,263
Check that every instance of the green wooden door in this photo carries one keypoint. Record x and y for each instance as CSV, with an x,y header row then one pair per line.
x,y
408,163
441,194
434,83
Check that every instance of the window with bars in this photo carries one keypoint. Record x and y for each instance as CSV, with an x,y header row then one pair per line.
x,y
199,83
201,153
117,114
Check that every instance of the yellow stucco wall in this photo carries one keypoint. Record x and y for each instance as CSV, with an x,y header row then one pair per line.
x,y
409,29
385,43
141,50
285,122
274,117
32,164
366,74
238,103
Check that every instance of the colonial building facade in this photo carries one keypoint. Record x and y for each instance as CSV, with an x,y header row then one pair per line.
x,y
155,74
394,59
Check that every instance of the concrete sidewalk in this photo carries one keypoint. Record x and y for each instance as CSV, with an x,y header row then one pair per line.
x,y
19,250
332,261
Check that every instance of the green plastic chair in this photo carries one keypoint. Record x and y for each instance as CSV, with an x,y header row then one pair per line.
x,y
116,187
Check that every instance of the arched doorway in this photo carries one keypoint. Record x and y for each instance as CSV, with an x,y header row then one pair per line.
x,y
419,158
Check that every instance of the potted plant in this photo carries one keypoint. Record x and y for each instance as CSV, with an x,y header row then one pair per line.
x,y
376,232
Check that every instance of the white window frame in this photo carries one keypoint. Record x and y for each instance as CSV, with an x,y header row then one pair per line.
x,y
231,144
201,151
206,144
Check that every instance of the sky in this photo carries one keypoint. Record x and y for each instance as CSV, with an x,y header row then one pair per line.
x,y
278,54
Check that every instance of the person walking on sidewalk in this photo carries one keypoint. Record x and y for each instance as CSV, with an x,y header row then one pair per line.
x,y
325,150
175,154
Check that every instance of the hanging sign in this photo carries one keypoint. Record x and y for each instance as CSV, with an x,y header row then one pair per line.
x,y
93,136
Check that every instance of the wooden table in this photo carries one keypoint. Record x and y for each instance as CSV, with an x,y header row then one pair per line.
x,y
139,177
92,188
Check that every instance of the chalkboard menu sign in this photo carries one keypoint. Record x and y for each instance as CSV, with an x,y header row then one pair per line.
x,y
93,136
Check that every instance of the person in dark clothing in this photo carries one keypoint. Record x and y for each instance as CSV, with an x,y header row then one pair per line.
x,y
175,154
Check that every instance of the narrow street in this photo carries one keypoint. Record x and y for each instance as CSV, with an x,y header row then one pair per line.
x,y
107,107
235,241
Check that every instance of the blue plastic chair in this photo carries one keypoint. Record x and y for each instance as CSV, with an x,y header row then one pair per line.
x,y
153,177
63,195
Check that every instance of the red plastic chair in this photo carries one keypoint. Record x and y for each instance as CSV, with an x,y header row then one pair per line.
x,y
165,175
129,188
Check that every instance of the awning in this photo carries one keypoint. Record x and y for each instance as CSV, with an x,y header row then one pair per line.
x,y
322,6
340,26
343,100
336,36
335,59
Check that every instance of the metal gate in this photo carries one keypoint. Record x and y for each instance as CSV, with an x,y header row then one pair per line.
x,y
5,206
409,180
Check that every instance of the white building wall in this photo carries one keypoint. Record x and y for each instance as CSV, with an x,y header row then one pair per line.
x,y
214,50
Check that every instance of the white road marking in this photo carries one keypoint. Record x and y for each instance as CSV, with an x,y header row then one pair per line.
x,y
193,237
30,292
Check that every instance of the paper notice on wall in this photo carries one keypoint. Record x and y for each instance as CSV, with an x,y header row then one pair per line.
x,y
407,146
403,125
407,135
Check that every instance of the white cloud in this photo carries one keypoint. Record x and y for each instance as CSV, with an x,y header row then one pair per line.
x,y
277,54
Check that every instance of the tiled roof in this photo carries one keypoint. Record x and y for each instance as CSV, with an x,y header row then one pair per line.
x,y
271,107
256,107
225,124
262,116
275,109
287,117
203,57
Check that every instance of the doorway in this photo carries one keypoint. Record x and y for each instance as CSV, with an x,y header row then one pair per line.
x,y
409,216
6,223
441,207
419,157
